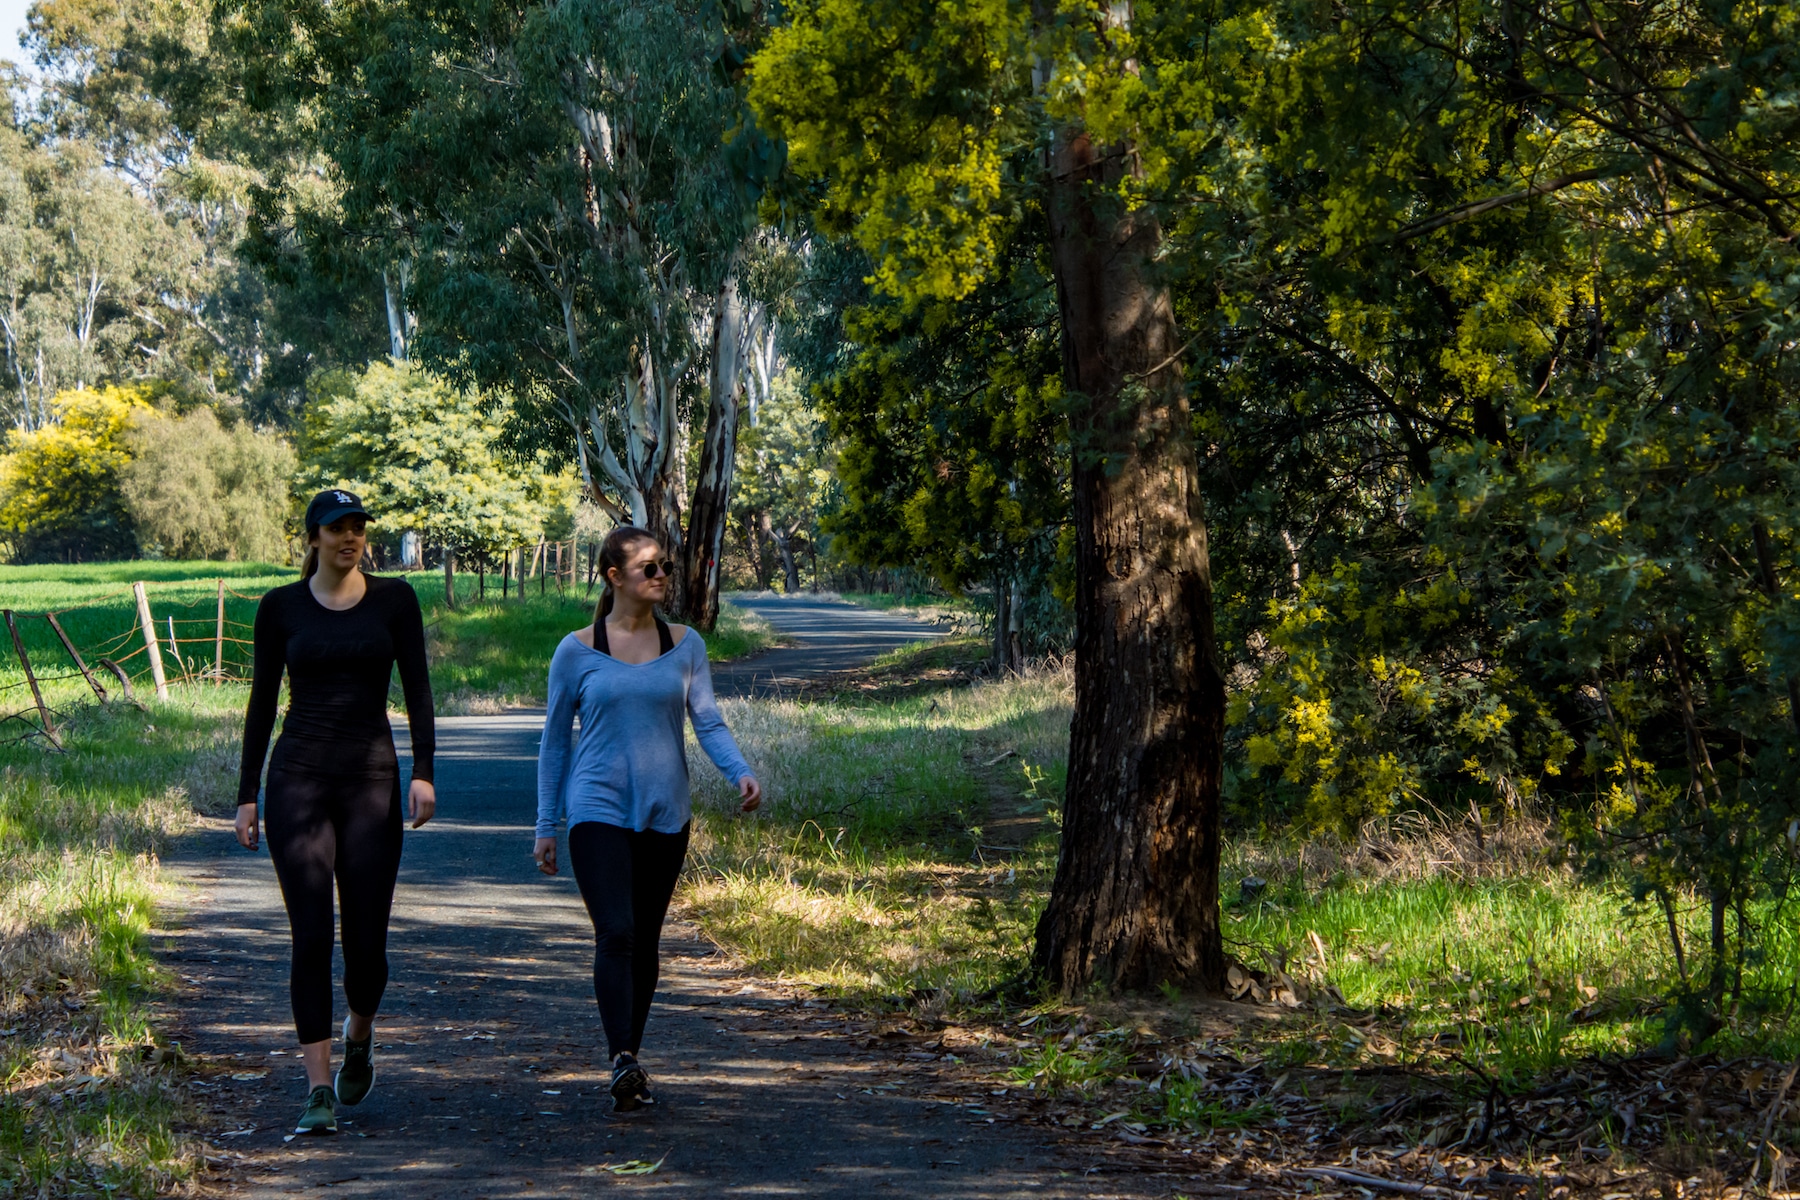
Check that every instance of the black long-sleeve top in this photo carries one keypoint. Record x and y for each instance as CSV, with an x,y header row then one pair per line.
x,y
338,666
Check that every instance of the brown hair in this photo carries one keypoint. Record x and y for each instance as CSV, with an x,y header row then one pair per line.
x,y
613,553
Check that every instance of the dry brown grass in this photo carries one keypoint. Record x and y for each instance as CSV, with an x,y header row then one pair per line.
x,y
1407,847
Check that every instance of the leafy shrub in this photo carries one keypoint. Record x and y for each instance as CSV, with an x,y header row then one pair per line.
x,y
198,490
59,485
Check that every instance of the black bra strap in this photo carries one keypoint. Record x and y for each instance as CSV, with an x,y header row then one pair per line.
x,y
664,639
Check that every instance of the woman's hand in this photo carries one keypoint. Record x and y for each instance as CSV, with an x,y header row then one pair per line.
x,y
544,850
246,825
751,791
424,802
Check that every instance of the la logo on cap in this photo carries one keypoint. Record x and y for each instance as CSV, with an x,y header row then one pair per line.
x,y
343,499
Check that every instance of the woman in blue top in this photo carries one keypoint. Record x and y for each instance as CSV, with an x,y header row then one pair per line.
x,y
623,785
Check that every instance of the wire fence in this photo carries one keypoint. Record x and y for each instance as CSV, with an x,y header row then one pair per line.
x,y
109,647
149,637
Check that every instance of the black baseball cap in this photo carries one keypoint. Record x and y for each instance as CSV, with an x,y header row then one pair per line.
x,y
331,505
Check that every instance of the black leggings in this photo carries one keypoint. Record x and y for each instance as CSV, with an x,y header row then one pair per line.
x,y
349,827
626,879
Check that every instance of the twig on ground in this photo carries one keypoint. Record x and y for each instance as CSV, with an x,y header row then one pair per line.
x,y
1376,1181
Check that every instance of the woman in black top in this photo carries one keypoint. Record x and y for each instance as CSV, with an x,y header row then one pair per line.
x,y
333,800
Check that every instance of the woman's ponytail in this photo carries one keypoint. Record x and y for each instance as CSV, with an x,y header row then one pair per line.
x,y
310,566
613,553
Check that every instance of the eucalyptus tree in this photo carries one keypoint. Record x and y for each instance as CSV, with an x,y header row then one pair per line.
x,y
931,128
82,265
572,185
152,90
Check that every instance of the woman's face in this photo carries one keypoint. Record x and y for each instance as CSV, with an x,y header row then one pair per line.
x,y
342,542
631,581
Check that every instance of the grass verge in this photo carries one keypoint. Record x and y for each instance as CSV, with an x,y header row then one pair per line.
x,y
909,842
85,1103
876,869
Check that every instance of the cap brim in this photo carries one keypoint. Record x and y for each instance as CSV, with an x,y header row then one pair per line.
x,y
338,514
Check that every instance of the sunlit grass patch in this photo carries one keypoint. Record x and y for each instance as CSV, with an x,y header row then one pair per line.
x,y
868,874
488,656
1495,951
80,833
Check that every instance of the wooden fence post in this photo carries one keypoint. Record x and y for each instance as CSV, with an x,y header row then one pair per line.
x,y
219,640
76,655
43,709
150,647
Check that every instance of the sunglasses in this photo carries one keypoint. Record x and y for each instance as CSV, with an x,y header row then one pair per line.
x,y
653,569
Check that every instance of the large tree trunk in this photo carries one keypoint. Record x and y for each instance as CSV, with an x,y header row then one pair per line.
x,y
1135,902
711,510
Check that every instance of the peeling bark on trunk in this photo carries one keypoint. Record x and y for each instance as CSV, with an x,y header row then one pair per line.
x,y
784,546
711,510
753,550
1135,902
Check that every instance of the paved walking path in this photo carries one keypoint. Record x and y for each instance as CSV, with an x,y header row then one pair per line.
x,y
492,1071
829,635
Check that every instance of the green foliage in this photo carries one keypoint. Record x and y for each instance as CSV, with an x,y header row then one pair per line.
x,y
84,268
784,480
1489,318
59,484
197,490
155,91
423,455
1494,372
950,419
899,106
565,185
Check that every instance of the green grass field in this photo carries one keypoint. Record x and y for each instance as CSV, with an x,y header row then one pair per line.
x,y
486,653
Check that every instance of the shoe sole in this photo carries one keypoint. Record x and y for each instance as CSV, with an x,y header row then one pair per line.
x,y
301,1131
336,1080
626,1087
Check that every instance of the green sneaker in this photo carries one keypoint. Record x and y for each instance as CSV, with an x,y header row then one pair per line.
x,y
356,1078
321,1112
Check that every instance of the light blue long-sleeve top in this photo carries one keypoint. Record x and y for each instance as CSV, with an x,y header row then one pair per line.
x,y
629,767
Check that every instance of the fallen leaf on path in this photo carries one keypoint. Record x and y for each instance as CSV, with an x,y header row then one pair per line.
x,y
636,1166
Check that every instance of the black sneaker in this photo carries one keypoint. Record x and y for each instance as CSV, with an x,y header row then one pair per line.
x,y
630,1085
356,1078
